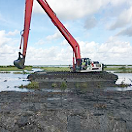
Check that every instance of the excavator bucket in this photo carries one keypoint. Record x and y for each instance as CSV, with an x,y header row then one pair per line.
x,y
19,63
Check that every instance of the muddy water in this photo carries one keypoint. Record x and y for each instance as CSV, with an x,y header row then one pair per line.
x,y
10,82
125,78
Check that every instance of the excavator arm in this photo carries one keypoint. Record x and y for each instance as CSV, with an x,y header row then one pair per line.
x,y
28,12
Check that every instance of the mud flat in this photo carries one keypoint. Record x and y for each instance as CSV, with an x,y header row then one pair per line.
x,y
74,80
76,110
92,111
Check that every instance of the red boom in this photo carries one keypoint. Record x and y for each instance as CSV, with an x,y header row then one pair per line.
x,y
57,23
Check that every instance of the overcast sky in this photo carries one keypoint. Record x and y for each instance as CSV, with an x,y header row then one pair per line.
x,y
103,29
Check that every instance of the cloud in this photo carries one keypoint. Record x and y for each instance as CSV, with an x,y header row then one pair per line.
x,y
72,9
87,13
124,18
54,36
110,14
40,42
111,52
7,48
37,8
75,9
127,32
13,33
117,2
51,56
64,42
3,38
90,23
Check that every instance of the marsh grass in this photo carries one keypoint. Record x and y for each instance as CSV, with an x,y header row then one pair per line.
x,y
31,85
54,85
52,69
21,72
123,85
122,69
63,87
5,72
13,68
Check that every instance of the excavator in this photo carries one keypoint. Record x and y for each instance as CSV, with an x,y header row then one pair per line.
x,y
79,64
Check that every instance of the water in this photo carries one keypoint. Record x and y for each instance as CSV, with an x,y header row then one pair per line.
x,y
125,78
10,82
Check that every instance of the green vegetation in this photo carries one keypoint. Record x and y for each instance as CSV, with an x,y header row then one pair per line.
x,y
31,85
13,68
81,85
21,72
118,65
4,72
122,69
123,85
54,85
63,87
84,85
111,69
18,72
51,69
115,68
125,70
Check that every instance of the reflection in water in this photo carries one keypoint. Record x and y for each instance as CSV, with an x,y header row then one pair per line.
x,y
125,78
10,82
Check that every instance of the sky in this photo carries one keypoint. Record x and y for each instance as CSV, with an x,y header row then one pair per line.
x,y
103,29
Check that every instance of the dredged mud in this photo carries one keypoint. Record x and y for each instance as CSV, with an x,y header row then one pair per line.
x,y
74,80
83,108
73,111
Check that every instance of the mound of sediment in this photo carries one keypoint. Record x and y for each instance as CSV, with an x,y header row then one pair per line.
x,y
90,79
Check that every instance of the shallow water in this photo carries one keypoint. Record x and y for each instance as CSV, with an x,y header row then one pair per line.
x,y
10,82
125,78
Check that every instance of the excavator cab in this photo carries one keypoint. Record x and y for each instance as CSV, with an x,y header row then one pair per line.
x,y
19,63
82,64
86,65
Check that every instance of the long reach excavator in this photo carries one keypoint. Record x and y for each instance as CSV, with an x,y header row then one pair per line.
x,y
79,64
